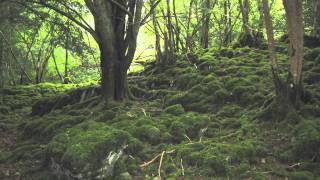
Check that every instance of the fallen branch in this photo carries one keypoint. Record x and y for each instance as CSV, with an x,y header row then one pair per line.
x,y
150,162
182,168
155,158
187,138
294,166
159,168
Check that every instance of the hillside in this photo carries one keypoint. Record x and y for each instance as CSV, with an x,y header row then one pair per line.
x,y
207,116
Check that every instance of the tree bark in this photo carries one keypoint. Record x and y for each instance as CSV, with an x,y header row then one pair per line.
x,y
294,16
117,27
156,32
56,66
204,34
244,7
271,46
228,23
1,65
316,18
66,70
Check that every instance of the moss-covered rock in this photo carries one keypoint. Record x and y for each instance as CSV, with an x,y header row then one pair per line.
x,y
82,148
175,109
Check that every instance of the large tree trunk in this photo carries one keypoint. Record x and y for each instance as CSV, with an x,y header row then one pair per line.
x,y
108,54
117,25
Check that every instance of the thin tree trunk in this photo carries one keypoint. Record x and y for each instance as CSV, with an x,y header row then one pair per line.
x,y
294,16
1,65
244,7
316,17
271,45
156,32
177,28
66,70
188,38
260,8
204,34
295,28
56,67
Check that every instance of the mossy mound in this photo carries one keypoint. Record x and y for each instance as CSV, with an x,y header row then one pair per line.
x,y
82,148
175,109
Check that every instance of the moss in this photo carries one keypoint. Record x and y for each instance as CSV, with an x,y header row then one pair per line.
x,y
186,81
148,134
4,110
178,131
138,91
105,116
236,82
175,109
226,52
229,111
87,144
222,95
311,78
307,140
243,94
46,105
299,175
311,110
62,123
231,123
213,158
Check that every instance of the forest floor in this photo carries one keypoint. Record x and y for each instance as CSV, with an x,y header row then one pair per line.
x,y
207,116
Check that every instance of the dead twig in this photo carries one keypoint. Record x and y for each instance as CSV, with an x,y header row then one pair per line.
x,y
150,162
159,168
182,168
294,166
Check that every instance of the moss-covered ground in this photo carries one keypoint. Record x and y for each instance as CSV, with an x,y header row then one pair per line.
x,y
204,117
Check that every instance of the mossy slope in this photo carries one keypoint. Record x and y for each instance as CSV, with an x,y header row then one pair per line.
x,y
203,113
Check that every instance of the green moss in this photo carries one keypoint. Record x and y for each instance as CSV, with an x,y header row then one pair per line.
x,y
175,109
299,175
148,134
88,143
4,110
307,140
178,131
105,116
213,159
229,111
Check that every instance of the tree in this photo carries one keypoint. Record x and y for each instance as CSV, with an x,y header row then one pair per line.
x,y
228,23
294,16
117,25
204,34
271,42
288,93
316,18
117,38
